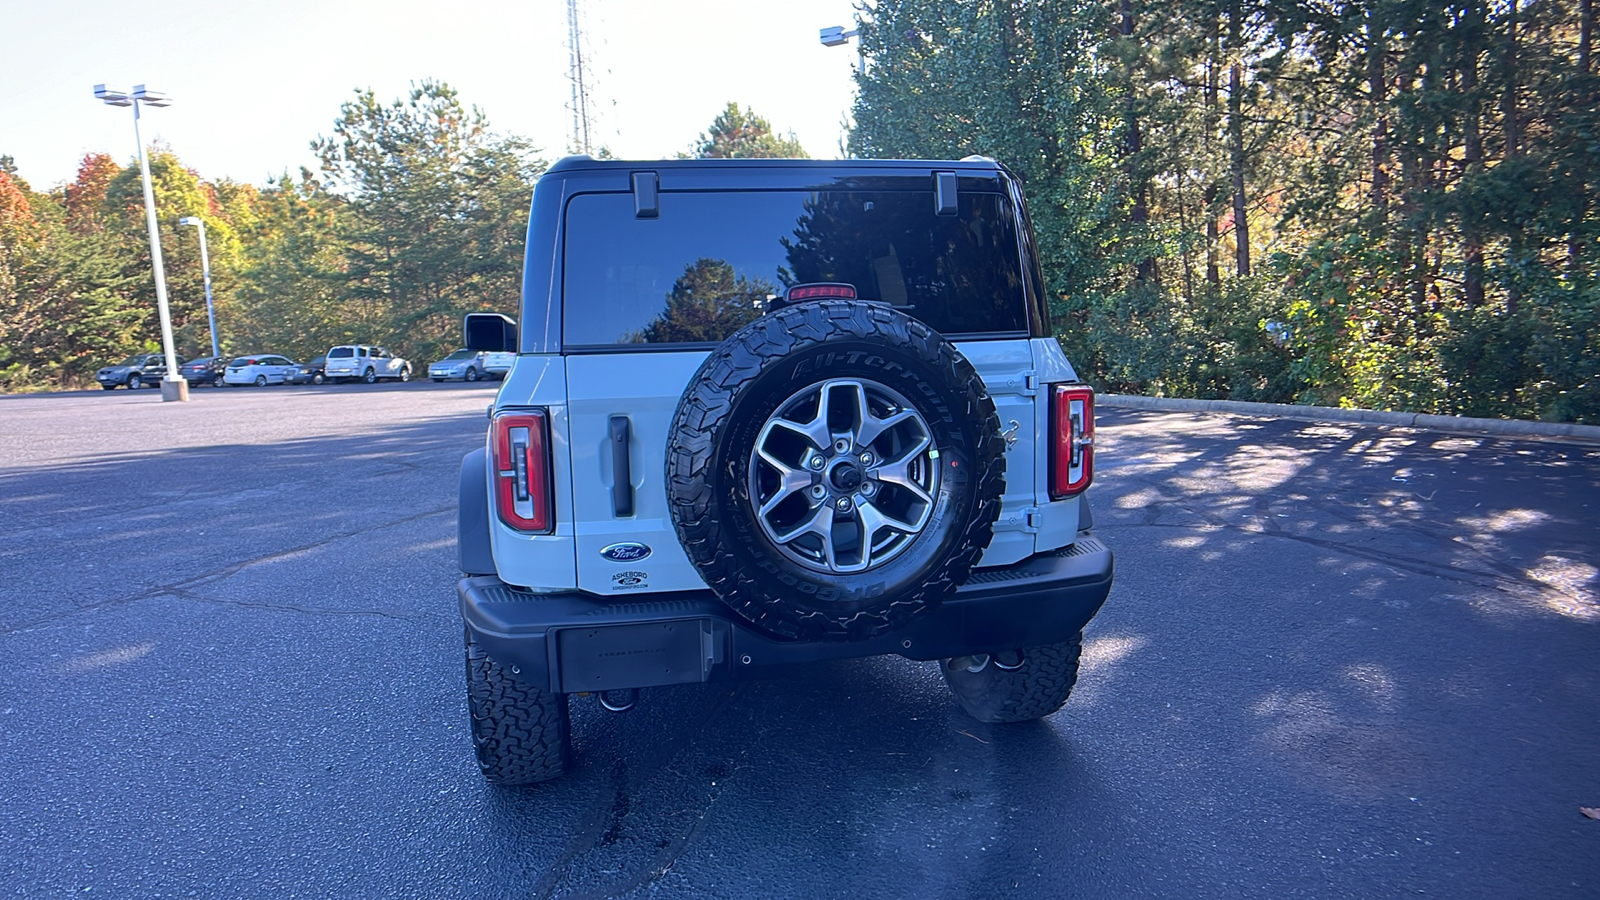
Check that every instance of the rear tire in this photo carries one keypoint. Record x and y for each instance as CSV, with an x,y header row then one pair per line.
x,y
261,381
369,377
135,382
405,374
472,374
522,734
1032,690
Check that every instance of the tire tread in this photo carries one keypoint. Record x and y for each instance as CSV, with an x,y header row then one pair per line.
x,y
521,733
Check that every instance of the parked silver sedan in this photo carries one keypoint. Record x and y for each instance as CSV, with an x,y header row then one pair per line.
x,y
466,365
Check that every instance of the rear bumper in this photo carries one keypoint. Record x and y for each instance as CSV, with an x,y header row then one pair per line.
x,y
572,642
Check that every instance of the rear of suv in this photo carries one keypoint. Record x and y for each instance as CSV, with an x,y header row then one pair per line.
x,y
365,363
766,412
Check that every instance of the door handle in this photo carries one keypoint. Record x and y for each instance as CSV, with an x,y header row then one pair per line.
x,y
621,472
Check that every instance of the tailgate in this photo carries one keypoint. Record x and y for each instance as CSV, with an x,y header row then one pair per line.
x,y
635,394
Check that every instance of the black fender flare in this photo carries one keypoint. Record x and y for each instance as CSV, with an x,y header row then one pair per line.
x,y
473,547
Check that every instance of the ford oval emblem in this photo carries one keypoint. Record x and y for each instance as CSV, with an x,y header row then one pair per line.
x,y
627,551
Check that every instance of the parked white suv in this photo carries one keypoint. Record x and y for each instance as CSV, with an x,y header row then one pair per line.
x,y
767,412
348,362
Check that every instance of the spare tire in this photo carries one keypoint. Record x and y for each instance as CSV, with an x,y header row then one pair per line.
x,y
834,469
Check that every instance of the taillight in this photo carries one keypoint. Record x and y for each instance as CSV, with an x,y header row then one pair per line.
x,y
522,471
1072,423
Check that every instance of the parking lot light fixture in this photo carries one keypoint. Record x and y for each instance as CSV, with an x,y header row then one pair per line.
x,y
205,268
837,36
173,386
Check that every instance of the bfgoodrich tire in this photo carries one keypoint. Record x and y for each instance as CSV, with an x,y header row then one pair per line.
x,y
834,469
521,733
1017,686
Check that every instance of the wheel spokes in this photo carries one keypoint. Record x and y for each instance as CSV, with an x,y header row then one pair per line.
x,y
898,472
790,481
872,520
824,444
872,427
820,524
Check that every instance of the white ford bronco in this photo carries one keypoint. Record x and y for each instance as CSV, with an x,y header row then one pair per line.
x,y
766,412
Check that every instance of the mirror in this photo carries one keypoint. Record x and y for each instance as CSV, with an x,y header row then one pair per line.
x,y
491,333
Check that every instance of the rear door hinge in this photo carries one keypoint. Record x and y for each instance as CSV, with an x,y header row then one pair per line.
x,y
1025,520
1024,383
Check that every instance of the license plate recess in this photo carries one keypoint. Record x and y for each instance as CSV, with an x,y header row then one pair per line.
x,y
610,657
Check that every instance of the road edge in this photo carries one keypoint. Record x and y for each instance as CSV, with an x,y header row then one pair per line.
x,y
1335,415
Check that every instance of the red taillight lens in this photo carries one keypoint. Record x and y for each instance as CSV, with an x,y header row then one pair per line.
x,y
522,471
1072,422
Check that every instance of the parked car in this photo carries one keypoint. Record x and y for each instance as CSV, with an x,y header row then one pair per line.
x,y
498,364
137,371
366,362
466,365
309,372
676,494
205,370
259,370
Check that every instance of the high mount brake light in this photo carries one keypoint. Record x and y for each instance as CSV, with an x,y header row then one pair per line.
x,y
522,471
820,290
1072,453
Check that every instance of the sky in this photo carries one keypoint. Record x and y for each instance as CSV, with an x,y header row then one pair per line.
x,y
254,83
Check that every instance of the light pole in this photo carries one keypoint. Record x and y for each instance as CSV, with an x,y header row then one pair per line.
x,y
205,267
836,36
173,387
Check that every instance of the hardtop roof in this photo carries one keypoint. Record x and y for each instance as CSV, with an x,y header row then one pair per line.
x,y
898,166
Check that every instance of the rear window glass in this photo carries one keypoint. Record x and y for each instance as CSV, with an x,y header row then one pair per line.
x,y
711,261
339,352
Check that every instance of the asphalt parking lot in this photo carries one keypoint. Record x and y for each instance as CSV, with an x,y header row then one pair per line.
x,y
1338,661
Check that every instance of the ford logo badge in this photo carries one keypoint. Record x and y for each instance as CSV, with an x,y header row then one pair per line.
x,y
626,552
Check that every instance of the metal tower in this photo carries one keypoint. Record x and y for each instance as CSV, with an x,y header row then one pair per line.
x,y
580,96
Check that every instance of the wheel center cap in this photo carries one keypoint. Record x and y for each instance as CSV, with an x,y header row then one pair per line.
x,y
846,476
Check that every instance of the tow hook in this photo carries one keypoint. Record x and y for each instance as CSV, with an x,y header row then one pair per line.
x,y
620,700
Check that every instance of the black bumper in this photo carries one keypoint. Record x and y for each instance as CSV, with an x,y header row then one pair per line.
x,y
572,642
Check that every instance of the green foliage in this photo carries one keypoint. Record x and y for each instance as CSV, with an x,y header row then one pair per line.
x,y
418,217
64,307
1371,204
707,303
741,134
434,207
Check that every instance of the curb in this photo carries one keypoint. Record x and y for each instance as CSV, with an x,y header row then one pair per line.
x,y
1330,414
